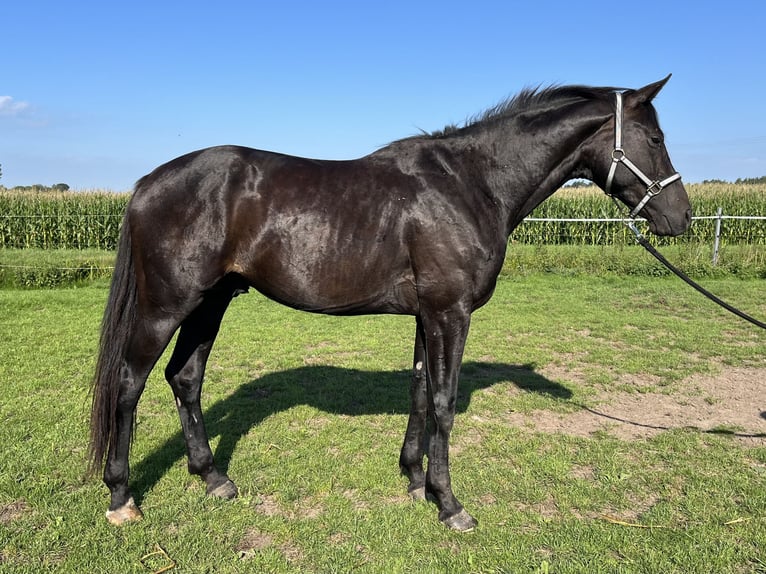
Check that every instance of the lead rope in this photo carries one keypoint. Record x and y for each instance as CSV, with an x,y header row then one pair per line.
x,y
644,242
654,188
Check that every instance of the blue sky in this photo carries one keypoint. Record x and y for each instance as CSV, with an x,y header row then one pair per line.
x,y
96,94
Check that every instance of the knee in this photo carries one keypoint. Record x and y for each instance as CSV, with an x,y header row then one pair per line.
x,y
186,383
444,414
176,374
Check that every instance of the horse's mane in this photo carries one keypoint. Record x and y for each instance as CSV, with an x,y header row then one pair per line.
x,y
528,100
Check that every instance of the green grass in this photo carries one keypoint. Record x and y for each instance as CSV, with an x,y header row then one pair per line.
x,y
744,261
307,414
46,268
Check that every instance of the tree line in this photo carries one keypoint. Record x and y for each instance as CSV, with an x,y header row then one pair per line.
x,y
740,180
37,187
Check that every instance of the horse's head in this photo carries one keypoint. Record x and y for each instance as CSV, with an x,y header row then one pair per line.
x,y
637,170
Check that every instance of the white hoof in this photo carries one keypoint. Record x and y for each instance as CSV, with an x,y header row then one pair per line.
x,y
128,512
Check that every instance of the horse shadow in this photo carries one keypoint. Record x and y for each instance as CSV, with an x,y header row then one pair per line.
x,y
330,389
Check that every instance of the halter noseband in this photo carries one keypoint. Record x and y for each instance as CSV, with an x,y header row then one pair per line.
x,y
653,187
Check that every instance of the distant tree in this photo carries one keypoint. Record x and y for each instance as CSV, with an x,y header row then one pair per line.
x,y
40,188
578,183
751,180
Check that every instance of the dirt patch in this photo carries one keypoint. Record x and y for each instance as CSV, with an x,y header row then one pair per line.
x,y
253,541
308,507
268,506
547,508
13,511
732,402
256,541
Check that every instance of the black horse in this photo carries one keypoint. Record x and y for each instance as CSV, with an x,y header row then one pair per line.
x,y
419,227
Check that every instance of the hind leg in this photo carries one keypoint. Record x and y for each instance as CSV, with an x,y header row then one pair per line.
x,y
143,353
185,373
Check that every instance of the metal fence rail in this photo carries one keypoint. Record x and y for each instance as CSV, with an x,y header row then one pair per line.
x,y
719,218
602,237
624,220
743,229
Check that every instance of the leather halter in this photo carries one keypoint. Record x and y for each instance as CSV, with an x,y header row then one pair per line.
x,y
653,187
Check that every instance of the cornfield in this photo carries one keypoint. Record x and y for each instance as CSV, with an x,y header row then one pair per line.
x,y
60,220
591,203
91,220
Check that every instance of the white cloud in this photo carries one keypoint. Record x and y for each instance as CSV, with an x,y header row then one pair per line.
x,y
11,107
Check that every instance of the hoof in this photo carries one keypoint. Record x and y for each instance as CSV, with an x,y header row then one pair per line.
x,y
128,512
461,522
418,494
227,490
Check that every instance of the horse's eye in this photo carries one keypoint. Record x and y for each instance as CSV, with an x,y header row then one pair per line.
x,y
656,140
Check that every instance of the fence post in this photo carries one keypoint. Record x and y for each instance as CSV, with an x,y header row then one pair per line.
x,y
717,240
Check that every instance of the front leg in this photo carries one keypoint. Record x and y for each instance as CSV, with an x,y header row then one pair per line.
x,y
415,439
445,334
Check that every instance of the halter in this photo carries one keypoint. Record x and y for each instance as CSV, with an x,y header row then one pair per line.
x,y
653,187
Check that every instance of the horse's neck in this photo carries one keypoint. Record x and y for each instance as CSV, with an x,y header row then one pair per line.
x,y
540,189
532,164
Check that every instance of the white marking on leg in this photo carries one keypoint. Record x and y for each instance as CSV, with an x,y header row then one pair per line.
x,y
419,366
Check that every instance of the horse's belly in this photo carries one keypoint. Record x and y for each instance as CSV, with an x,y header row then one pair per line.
x,y
337,286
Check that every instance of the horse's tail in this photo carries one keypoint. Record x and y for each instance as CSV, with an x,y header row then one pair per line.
x,y
116,329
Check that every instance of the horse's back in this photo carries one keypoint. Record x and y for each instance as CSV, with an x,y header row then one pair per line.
x,y
318,235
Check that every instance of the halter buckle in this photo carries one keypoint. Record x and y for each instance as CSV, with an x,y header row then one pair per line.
x,y
654,185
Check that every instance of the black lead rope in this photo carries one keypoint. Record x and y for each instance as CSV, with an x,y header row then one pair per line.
x,y
657,255
654,188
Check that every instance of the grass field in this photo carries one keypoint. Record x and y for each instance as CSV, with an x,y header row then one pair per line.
x,y
307,413
46,268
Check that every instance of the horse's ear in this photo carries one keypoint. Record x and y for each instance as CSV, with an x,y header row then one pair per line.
x,y
648,93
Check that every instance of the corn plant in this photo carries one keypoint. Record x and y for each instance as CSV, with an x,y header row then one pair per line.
x,y
60,220
80,220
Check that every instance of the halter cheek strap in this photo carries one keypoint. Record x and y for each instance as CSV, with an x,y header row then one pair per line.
x,y
653,187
